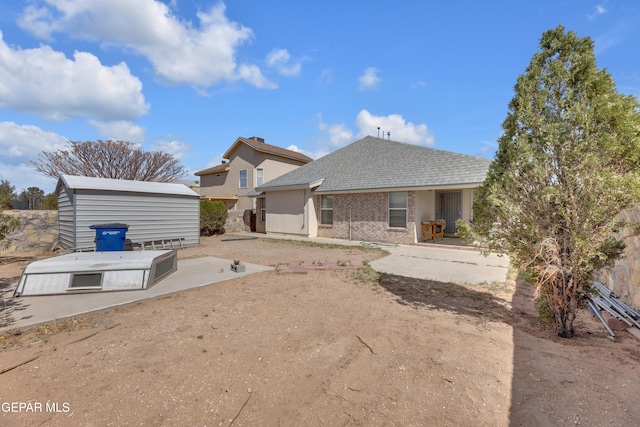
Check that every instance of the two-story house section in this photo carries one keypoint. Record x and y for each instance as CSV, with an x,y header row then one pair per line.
x,y
248,163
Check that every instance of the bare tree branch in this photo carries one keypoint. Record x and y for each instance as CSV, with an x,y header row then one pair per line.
x,y
110,159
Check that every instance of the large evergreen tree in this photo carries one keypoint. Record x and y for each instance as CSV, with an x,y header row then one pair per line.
x,y
7,194
567,165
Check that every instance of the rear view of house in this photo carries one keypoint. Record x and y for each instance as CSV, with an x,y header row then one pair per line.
x,y
373,189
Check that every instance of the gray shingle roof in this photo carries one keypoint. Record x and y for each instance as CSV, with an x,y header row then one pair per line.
x,y
374,163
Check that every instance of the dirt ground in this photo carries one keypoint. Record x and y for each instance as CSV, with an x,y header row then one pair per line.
x,y
333,347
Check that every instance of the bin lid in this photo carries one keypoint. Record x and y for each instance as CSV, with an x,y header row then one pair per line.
x,y
113,225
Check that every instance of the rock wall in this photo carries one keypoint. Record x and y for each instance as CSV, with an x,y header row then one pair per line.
x,y
624,278
238,221
38,230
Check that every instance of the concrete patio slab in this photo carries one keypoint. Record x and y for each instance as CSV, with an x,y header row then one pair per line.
x,y
192,273
443,264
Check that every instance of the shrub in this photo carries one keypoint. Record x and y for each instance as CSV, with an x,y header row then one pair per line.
x,y
50,202
7,225
213,215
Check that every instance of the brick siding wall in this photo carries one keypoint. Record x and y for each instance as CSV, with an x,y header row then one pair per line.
x,y
369,218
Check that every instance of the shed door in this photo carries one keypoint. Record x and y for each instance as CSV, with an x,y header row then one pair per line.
x,y
450,209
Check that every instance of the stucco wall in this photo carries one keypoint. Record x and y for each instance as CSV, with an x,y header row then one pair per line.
x,y
624,279
287,212
364,216
38,230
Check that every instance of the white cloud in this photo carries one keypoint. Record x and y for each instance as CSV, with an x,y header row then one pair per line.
x,y
175,148
279,59
44,82
369,79
24,175
339,134
119,130
20,144
400,129
599,10
253,76
325,77
201,54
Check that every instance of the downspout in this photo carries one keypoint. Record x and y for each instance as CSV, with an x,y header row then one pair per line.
x,y
304,207
349,222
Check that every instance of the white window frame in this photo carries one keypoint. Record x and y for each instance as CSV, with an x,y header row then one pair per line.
x,y
263,209
322,209
259,176
405,209
246,178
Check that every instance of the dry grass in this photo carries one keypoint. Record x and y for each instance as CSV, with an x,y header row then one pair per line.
x,y
19,337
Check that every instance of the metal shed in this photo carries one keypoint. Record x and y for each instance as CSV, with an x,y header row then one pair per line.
x,y
153,211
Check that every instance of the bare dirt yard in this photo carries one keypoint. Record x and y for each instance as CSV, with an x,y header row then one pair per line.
x,y
332,347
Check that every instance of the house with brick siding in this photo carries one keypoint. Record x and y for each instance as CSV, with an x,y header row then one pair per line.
x,y
374,189
249,162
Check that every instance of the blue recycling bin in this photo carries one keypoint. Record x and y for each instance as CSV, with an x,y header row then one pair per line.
x,y
110,237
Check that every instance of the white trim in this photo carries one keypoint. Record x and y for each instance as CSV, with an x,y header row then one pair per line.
x,y
406,209
326,209
258,170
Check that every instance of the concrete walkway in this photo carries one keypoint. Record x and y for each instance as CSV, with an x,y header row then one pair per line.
x,y
443,264
434,262
192,273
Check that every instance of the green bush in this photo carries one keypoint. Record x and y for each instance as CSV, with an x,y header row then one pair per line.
x,y
545,313
213,215
50,202
7,225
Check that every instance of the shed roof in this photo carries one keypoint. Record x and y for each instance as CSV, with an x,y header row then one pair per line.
x,y
375,163
109,184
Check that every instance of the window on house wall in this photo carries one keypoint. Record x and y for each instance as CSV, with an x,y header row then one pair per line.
x,y
326,210
263,209
398,209
243,178
259,177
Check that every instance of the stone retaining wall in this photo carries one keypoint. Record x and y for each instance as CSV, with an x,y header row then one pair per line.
x,y
38,230
238,221
624,278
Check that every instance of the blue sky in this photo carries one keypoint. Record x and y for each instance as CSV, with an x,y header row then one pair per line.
x,y
189,77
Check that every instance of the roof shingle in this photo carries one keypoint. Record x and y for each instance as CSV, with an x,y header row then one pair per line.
x,y
375,163
258,144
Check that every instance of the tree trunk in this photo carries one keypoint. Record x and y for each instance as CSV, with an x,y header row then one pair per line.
x,y
564,321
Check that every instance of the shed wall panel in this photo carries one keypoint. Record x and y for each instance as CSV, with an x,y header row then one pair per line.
x,y
149,216
65,218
